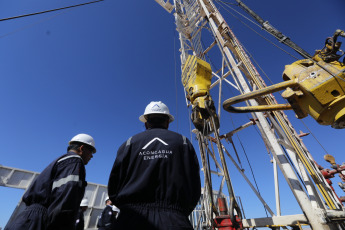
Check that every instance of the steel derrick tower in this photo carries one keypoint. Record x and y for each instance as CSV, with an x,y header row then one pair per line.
x,y
321,208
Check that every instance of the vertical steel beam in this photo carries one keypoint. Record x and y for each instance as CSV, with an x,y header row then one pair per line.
x,y
216,22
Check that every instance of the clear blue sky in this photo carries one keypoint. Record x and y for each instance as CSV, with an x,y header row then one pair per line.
x,y
93,69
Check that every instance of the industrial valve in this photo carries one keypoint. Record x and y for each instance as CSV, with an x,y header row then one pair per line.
x,y
330,173
314,87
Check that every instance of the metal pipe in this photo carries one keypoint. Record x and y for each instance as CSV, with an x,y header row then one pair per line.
x,y
276,187
250,184
257,93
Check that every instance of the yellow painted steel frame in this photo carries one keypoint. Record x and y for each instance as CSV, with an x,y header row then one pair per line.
x,y
196,79
321,90
257,93
310,89
293,82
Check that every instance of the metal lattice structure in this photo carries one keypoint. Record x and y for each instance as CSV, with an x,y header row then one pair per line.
x,y
320,206
95,193
21,179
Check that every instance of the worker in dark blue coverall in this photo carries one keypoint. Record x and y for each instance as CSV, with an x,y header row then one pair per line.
x,y
79,223
53,199
108,216
155,180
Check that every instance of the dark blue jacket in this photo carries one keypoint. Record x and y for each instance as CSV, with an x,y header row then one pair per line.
x,y
107,219
60,189
157,168
79,224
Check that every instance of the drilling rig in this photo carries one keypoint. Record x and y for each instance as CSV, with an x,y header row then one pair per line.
x,y
313,86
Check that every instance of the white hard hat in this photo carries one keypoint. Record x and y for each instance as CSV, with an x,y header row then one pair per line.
x,y
84,138
156,107
84,202
106,199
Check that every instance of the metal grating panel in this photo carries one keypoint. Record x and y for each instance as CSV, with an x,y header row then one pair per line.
x,y
95,193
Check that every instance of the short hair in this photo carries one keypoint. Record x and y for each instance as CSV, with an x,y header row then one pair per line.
x,y
157,120
75,145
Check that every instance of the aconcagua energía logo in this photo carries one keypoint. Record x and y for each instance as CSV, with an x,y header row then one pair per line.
x,y
156,108
155,154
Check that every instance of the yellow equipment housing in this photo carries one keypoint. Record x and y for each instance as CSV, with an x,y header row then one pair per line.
x,y
196,79
313,86
320,92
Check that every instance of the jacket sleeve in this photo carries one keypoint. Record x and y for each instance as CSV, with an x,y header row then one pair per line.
x,y
67,192
79,224
118,173
194,177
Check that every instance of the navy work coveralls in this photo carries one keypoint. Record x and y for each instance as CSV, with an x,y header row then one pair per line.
x,y
107,218
155,181
79,224
53,199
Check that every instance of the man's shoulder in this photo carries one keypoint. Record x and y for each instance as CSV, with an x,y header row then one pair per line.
x,y
108,208
175,133
160,131
63,158
150,134
157,132
137,136
68,158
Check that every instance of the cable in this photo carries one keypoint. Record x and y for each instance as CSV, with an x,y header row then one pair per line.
x,y
294,167
209,60
251,169
285,40
238,12
251,57
175,80
250,166
31,25
260,66
267,148
40,21
47,11
229,3
255,30
314,137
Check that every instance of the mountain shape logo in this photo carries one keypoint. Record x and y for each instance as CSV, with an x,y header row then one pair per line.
x,y
153,140
156,108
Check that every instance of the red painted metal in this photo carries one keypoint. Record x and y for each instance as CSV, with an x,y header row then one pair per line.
x,y
329,173
223,221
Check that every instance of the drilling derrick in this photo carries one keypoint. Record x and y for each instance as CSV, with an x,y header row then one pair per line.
x,y
320,205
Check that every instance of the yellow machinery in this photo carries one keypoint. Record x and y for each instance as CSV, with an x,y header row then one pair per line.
x,y
312,86
196,79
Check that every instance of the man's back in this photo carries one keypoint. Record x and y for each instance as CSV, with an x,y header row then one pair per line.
x,y
107,219
43,190
53,199
155,179
158,168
